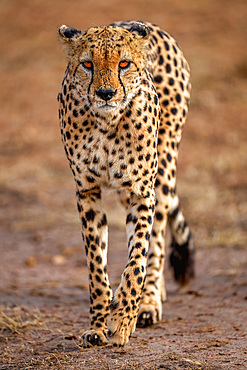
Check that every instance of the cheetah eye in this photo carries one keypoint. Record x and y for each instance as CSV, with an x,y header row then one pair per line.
x,y
124,64
87,65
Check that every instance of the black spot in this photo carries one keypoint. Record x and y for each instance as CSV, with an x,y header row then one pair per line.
x,y
155,38
168,68
147,236
137,271
165,189
90,179
144,253
118,175
112,136
165,103
169,158
99,259
84,222
133,292
139,280
98,292
90,215
163,163
142,208
98,307
158,79
123,166
159,216
171,81
174,111
98,279
178,98
167,46
161,60
91,267
161,171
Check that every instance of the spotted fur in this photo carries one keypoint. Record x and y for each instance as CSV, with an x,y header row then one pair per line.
x,y
122,107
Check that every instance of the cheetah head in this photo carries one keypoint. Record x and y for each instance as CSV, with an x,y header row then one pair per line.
x,y
106,64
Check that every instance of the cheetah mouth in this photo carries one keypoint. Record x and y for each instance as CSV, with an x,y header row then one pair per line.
x,y
107,106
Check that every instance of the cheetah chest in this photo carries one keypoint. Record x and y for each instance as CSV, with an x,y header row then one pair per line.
x,y
115,158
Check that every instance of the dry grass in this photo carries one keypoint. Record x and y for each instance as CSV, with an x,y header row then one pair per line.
x,y
18,319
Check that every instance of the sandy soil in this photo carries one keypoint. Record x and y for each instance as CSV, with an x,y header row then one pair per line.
x,y
44,296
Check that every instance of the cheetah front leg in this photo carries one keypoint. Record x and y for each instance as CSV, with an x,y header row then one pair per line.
x,y
154,293
95,235
125,304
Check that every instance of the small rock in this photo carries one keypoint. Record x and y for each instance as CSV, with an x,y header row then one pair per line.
x,y
58,260
31,261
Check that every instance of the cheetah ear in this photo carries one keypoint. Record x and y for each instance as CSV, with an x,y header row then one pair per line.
x,y
140,29
68,34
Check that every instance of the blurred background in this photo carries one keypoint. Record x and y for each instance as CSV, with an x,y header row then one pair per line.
x,y
42,263
39,224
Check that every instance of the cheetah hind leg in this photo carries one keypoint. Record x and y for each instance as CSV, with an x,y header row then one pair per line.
x,y
182,245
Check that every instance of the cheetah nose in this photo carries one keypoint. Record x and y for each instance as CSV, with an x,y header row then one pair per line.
x,y
106,94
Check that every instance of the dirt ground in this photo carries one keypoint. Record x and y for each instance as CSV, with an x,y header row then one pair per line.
x,y
44,296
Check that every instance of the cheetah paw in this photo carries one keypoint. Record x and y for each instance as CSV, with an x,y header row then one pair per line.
x,y
148,315
119,330
92,338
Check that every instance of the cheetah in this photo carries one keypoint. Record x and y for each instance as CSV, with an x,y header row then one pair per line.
x,y
122,107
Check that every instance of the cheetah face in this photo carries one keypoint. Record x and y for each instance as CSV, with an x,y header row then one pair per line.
x,y
106,64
